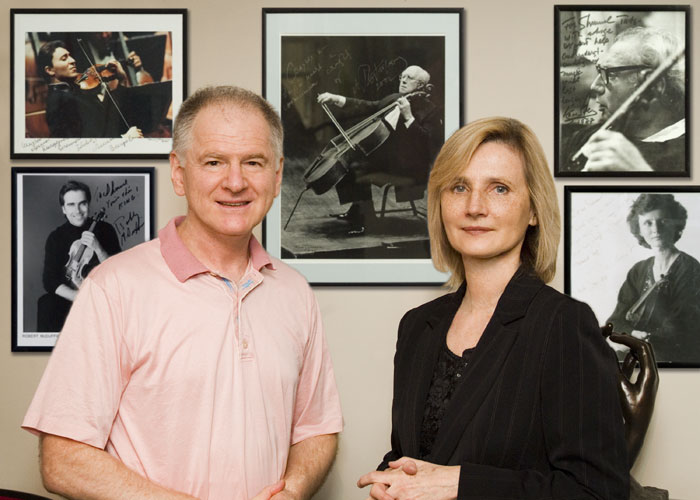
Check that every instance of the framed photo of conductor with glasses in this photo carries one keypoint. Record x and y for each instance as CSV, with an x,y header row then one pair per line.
x,y
632,253
367,98
96,83
65,221
621,90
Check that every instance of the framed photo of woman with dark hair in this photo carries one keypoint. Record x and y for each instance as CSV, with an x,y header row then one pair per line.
x,y
632,253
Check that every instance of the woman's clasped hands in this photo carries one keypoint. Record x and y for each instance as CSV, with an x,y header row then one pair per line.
x,y
412,479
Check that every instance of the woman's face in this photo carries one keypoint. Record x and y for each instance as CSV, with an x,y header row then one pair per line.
x,y
657,229
486,210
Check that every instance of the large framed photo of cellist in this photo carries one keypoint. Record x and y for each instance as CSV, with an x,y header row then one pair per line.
x,y
96,83
633,254
66,221
621,90
367,98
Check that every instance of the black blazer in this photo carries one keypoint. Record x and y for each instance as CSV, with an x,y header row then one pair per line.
x,y
537,414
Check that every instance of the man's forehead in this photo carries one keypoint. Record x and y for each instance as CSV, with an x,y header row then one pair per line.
x,y
620,53
74,195
59,52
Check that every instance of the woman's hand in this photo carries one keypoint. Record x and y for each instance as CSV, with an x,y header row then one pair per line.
x,y
409,478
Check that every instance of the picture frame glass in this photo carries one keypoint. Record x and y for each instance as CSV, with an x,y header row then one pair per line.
x,y
316,59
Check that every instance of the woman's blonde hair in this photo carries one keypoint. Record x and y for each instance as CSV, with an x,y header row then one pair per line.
x,y
539,251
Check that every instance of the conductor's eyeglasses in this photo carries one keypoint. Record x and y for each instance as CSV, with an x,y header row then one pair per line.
x,y
606,72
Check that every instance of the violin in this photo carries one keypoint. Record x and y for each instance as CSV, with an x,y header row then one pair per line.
x,y
641,312
362,139
96,74
79,255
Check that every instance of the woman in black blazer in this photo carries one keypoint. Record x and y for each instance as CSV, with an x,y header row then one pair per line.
x,y
505,388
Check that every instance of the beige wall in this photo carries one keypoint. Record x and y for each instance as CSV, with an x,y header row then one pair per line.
x,y
509,64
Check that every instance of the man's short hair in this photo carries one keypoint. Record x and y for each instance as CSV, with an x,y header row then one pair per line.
x,y
74,186
654,46
45,56
539,251
225,94
669,207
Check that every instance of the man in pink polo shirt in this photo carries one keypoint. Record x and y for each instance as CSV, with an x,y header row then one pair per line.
x,y
195,365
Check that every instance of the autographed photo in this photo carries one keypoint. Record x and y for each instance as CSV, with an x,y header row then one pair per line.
x,y
620,77
365,111
65,222
80,92
632,255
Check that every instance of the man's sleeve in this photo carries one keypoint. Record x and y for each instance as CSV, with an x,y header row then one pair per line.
x,y
317,406
79,393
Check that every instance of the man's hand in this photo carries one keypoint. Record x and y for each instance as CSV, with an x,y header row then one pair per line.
x,y
133,133
270,491
336,99
405,109
115,67
89,239
408,478
612,151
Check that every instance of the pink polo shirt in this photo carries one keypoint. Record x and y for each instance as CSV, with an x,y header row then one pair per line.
x,y
199,384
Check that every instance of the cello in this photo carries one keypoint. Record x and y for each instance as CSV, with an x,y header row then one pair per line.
x,y
360,140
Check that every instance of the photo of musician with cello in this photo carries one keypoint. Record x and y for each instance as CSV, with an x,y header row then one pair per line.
x,y
621,91
64,224
651,291
364,116
94,92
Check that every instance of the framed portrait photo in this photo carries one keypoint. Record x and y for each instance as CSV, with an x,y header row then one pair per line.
x,y
96,83
367,98
65,221
621,80
632,254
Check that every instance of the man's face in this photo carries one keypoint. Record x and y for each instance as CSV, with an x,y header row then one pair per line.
x,y
62,65
410,81
230,174
620,84
75,207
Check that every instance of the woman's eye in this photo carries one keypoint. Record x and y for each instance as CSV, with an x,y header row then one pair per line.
x,y
501,189
459,188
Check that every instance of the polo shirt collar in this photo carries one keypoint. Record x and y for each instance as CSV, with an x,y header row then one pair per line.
x,y
184,265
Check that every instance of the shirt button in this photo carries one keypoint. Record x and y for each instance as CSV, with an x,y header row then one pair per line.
x,y
245,344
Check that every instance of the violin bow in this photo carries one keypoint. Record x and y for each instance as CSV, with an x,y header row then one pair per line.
x,y
624,107
104,85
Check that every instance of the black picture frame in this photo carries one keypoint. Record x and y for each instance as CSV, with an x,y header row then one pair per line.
x,y
126,194
54,118
654,130
358,53
608,267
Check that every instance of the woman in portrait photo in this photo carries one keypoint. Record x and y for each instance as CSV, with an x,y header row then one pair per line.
x,y
660,298
504,388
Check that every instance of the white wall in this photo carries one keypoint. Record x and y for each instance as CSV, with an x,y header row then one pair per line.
x,y
509,71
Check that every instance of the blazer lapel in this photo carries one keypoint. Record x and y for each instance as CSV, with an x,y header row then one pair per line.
x,y
488,359
424,357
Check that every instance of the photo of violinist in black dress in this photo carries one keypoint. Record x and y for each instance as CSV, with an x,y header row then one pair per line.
x,y
606,125
659,300
364,120
68,221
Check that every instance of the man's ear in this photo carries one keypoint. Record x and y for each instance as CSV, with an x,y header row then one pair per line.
x,y
177,174
49,70
655,91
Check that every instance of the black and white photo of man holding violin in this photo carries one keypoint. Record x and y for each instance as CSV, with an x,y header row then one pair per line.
x,y
415,136
85,104
71,251
639,91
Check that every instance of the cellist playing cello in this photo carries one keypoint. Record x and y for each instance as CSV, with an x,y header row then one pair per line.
x,y
99,240
416,136
650,137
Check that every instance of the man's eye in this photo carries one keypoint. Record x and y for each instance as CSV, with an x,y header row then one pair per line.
x,y
213,163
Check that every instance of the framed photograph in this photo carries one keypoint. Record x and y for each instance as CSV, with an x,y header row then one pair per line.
x,y
632,254
101,83
65,221
621,80
367,98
